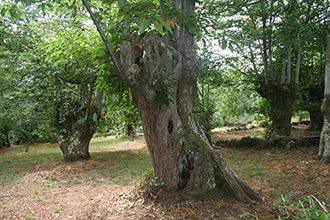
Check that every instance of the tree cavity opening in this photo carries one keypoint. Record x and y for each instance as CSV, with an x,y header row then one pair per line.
x,y
170,126
186,165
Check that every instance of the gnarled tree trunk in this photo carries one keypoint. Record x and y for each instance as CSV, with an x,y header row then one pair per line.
x,y
281,98
160,79
80,124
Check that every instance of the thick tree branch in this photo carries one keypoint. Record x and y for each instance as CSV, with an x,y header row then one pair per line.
x,y
104,38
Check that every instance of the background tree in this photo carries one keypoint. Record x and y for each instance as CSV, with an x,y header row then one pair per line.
x,y
311,82
271,39
25,117
78,63
51,77
5,87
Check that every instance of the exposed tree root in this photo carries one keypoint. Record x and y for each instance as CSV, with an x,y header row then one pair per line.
x,y
324,160
241,190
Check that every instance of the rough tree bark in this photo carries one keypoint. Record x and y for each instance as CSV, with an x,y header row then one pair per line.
x,y
80,124
316,125
281,98
324,147
181,154
161,78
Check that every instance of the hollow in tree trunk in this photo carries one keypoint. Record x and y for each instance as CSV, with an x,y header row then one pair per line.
x,y
281,98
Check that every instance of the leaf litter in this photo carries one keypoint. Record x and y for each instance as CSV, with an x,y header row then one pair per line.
x,y
59,190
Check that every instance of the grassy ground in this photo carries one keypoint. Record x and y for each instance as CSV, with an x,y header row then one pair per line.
x,y
39,185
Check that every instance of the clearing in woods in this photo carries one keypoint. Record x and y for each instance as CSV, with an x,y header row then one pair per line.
x,y
39,185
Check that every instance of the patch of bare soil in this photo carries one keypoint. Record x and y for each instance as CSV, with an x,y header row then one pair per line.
x,y
60,190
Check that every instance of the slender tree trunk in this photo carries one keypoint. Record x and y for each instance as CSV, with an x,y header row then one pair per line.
x,y
324,147
6,133
129,130
281,98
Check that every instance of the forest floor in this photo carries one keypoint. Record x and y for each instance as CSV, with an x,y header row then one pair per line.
x,y
100,188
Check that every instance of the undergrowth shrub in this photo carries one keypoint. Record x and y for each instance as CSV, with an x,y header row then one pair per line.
x,y
264,122
151,185
308,208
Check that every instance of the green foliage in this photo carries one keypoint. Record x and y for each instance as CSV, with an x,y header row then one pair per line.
x,y
203,113
163,96
259,34
224,92
151,182
247,214
77,57
264,122
308,208
25,87
263,115
119,111
143,16
304,209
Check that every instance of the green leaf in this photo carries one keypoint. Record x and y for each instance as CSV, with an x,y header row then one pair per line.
x,y
230,47
143,24
244,214
223,44
158,26
164,24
